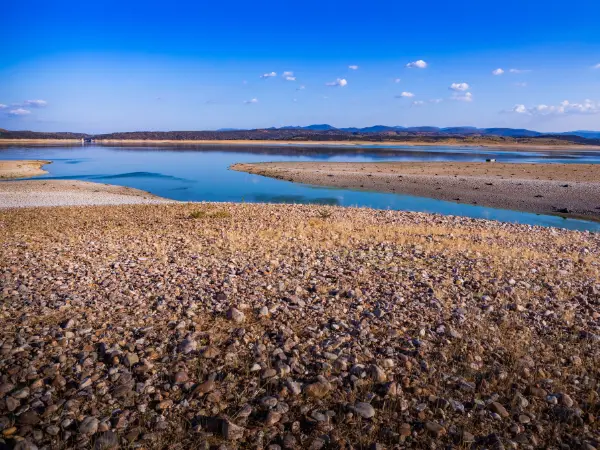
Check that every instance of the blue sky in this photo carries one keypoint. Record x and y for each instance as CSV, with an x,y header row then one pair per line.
x,y
131,65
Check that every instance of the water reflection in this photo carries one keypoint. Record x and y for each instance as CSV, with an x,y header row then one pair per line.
x,y
201,173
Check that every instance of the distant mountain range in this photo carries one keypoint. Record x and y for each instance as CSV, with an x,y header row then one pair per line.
x,y
325,132
463,131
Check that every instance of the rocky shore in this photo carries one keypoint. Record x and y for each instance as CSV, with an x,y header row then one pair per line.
x,y
22,168
297,327
571,190
23,194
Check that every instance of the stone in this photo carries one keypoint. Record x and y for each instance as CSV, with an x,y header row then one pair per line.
x,y
364,410
25,444
231,431
566,400
499,409
317,390
12,403
435,429
88,425
180,377
294,387
377,374
236,315
29,418
106,441
405,430
165,404
205,388
131,359
272,418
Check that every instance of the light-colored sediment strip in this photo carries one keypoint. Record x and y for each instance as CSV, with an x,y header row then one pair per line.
x,y
570,189
20,194
380,144
22,168
307,143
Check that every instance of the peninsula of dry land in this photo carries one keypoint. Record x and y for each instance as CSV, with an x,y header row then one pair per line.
x,y
568,189
296,327
22,168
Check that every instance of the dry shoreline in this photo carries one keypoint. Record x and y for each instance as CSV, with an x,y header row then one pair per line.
x,y
22,168
300,326
521,147
567,189
36,193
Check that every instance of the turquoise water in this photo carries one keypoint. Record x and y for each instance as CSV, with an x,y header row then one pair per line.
x,y
201,174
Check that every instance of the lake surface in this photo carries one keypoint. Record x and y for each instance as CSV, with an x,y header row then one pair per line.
x,y
200,173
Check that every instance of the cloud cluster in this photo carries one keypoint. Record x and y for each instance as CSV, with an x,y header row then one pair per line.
x,y
353,67
269,75
34,103
459,87
341,82
23,108
420,64
462,97
500,71
288,76
565,107
18,112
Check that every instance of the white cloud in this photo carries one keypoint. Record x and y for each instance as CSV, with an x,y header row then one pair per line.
x,y
521,84
19,112
519,71
269,75
397,80
289,76
2,106
498,71
597,66
254,100
565,107
300,88
466,97
405,95
353,67
520,109
341,82
459,87
418,103
436,100
420,64
35,103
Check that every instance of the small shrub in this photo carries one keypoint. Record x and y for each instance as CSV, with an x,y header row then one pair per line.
x,y
207,214
324,214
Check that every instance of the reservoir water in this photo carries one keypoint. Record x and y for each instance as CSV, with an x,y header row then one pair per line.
x,y
200,173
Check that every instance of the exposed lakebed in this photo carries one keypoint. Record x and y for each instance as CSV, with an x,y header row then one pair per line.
x,y
200,173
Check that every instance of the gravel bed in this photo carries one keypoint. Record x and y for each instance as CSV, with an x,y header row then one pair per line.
x,y
223,326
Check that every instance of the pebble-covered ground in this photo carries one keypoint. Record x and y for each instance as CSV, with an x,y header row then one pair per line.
x,y
29,193
566,189
296,327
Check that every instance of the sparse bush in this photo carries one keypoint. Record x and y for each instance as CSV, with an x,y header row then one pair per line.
x,y
208,214
324,214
